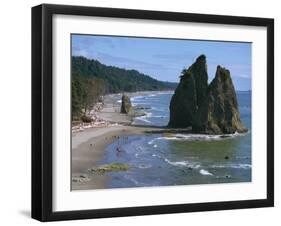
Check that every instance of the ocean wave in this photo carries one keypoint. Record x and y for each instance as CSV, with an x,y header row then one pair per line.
x,y
144,96
205,172
158,116
164,92
203,136
150,142
185,163
136,98
196,137
179,163
147,115
142,119
165,138
151,115
233,165
192,165
137,103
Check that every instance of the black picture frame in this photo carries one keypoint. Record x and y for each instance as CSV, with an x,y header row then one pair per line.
x,y
42,111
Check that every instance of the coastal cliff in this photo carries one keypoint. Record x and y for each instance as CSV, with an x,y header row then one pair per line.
x,y
209,109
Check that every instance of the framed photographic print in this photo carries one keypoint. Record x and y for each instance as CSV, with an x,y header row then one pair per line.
x,y
145,112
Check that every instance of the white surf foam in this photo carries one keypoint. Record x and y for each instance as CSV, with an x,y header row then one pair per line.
x,y
150,142
142,119
136,98
147,115
198,137
205,172
233,165
193,165
179,163
185,163
158,116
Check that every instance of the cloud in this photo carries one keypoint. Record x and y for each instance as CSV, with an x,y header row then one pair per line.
x,y
177,56
243,76
130,63
236,69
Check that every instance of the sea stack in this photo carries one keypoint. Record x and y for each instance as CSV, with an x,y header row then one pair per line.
x,y
213,109
126,105
219,114
189,94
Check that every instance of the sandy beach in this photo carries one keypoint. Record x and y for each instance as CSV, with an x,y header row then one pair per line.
x,y
88,148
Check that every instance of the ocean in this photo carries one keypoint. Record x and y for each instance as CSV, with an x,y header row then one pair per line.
x,y
179,159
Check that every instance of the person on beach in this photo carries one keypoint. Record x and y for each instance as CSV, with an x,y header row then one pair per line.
x,y
118,151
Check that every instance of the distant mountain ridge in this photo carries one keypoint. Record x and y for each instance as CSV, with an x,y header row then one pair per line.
x,y
117,79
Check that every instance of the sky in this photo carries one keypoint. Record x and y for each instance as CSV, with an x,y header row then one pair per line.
x,y
164,59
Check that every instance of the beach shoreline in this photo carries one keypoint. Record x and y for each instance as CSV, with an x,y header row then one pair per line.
x,y
98,144
90,140
108,112
89,148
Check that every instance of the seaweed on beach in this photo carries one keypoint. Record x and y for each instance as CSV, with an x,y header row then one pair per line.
x,y
109,168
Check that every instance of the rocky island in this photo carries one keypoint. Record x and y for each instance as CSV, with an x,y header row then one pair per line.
x,y
208,109
126,105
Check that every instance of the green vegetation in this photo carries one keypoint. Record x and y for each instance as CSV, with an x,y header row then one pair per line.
x,y
117,79
91,79
110,167
85,93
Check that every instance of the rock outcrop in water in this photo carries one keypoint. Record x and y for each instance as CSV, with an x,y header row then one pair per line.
x,y
189,94
218,114
207,109
126,105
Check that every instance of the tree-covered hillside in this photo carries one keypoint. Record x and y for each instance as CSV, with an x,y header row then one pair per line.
x,y
92,79
116,79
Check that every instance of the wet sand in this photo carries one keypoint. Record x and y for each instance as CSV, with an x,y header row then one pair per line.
x,y
89,148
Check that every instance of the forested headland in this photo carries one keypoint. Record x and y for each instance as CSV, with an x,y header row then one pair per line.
x,y
92,79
